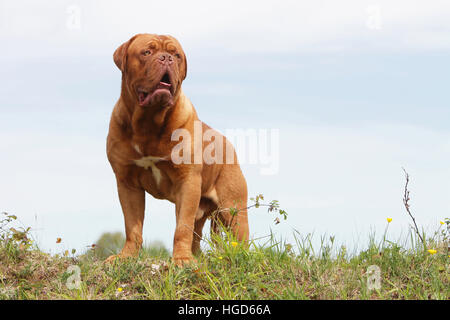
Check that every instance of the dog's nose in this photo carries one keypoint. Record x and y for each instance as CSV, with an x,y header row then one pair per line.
x,y
165,58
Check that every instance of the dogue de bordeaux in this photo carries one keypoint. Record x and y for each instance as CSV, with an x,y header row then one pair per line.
x,y
140,149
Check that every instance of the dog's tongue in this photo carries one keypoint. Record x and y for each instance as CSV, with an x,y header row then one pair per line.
x,y
164,85
144,98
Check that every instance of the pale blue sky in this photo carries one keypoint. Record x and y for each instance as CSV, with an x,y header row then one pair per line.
x,y
353,105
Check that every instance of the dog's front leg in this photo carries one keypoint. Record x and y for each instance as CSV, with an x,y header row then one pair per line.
x,y
187,203
132,201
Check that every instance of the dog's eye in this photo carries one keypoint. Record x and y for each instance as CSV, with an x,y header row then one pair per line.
x,y
146,52
178,55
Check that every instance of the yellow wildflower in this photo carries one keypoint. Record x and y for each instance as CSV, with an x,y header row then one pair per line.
x,y
389,220
234,244
432,251
441,222
119,289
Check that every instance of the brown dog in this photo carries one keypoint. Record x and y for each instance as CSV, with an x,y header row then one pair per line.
x,y
145,156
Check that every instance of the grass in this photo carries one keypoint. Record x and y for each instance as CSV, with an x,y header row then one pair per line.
x,y
229,270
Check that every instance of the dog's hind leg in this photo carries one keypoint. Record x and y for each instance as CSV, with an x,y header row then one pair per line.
x,y
206,208
231,190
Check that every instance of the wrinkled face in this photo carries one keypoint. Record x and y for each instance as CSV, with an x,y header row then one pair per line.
x,y
153,67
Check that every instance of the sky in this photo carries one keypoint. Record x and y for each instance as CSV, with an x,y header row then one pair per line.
x,y
357,90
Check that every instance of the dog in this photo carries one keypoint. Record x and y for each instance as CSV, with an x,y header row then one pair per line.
x,y
151,110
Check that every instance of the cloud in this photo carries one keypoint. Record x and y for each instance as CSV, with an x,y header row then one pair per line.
x,y
233,26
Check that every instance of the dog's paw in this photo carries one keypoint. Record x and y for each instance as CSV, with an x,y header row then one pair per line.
x,y
115,257
184,261
112,258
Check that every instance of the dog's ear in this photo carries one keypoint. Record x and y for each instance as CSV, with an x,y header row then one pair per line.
x,y
120,55
184,55
185,67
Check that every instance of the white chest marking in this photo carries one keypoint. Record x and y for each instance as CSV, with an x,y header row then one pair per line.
x,y
149,162
138,150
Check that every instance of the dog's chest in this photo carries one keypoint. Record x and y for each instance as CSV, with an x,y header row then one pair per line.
x,y
149,163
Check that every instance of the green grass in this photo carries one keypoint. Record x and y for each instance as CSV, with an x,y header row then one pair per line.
x,y
230,270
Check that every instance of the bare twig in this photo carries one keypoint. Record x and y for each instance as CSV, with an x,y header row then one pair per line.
x,y
234,212
406,199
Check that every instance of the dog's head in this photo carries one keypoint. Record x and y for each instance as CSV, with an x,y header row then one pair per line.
x,y
153,68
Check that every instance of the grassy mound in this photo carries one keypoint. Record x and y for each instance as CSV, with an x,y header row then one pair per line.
x,y
228,270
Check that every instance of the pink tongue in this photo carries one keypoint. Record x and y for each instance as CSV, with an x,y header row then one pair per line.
x,y
165,84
